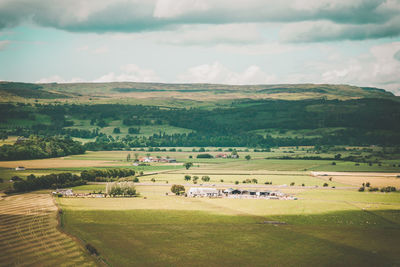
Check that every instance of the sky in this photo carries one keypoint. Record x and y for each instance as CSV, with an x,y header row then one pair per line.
x,y
353,42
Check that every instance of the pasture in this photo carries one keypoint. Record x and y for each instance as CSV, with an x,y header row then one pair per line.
x,y
324,227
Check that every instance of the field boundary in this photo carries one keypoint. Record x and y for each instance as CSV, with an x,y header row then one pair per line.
x,y
80,242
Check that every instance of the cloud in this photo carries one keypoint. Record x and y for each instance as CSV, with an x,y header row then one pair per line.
x,y
376,68
59,79
130,73
325,31
363,18
217,73
218,34
4,44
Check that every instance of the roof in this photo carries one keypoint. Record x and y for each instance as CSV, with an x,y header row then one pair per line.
x,y
202,190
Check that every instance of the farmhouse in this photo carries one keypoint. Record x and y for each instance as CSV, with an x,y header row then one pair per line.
x,y
64,192
221,155
20,168
203,192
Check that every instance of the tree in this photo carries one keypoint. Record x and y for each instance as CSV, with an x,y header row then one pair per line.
x,y
205,178
178,189
188,165
247,157
338,156
188,177
128,157
117,130
195,178
254,181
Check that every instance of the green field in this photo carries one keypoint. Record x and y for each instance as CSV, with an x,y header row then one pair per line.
x,y
321,228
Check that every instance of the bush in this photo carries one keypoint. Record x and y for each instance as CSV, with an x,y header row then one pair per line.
x,y
292,184
333,163
153,180
325,185
373,189
92,249
188,177
222,180
205,178
135,180
204,156
367,184
236,182
178,189
302,184
361,189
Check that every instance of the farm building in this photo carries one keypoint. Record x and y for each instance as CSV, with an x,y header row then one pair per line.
x,y
203,192
64,192
221,155
20,168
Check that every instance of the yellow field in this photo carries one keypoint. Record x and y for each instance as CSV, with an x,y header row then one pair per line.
x,y
358,178
59,163
29,234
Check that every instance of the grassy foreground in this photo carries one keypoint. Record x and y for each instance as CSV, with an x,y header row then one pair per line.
x,y
327,228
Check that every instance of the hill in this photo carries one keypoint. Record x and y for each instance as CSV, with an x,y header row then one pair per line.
x,y
181,94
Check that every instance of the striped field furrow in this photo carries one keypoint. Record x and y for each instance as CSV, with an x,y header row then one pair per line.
x,y
29,234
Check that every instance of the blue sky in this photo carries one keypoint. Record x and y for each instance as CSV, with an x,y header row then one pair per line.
x,y
212,41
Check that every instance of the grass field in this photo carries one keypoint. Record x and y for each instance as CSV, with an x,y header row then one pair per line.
x,y
326,226
29,234
321,228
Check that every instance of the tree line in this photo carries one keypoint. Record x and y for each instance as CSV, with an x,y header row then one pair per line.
x,y
41,147
62,180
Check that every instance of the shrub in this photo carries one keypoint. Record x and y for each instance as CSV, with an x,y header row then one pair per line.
x,y
178,189
205,178
222,180
302,184
367,184
254,181
373,189
236,182
188,177
361,189
333,163
204,156
153,180
135,180
325,185
292,184
92,249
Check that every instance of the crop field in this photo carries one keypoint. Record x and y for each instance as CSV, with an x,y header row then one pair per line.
x,y
29,234
331,228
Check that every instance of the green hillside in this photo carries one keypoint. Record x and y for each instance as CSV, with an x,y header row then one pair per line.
x,y
180,95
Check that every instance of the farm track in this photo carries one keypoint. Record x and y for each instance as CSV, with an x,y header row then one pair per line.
x,y
29,234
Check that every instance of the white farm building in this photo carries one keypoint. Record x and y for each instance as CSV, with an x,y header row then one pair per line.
x,y
203,192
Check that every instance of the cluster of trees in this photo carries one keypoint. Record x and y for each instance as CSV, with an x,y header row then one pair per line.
x,y
386,189
41,147
53,181
106,174
122,189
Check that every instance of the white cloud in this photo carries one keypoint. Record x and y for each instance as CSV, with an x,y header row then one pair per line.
x,y
4,44
130,73
59,79
211,34
100,50
217,73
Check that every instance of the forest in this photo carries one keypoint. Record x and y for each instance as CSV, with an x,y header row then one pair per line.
x,y
357,122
